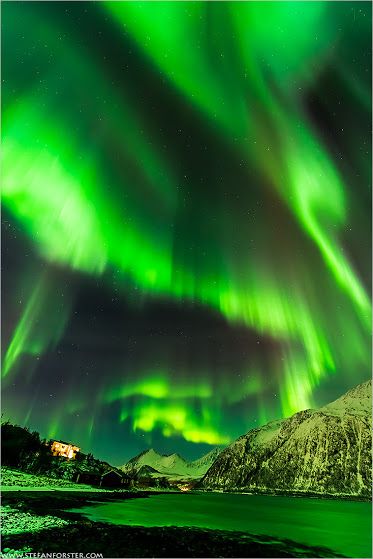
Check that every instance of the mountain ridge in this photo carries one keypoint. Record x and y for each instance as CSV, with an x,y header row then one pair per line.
x,y
325,451
170,464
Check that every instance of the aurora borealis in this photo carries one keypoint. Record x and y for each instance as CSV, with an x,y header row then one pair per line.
x,y
186,217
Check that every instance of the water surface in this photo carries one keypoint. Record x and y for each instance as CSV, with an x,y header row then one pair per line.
x,y
342,526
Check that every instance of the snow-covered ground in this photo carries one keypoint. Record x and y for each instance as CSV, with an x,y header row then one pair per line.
x,y
15,480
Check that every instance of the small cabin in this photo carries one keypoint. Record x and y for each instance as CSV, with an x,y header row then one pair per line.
x,y
66,450
113,478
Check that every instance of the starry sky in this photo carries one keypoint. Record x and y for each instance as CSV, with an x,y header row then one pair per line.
x,y
186,222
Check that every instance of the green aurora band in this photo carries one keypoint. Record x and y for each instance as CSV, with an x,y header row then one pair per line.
x,y
243,68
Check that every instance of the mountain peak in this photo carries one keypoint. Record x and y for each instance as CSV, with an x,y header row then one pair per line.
x,y
324,451
171,464
356,401
145,453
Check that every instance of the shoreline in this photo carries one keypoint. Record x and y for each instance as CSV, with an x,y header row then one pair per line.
x,y
296,495
8,490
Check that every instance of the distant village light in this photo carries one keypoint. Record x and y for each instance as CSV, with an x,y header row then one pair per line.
x,y
67,450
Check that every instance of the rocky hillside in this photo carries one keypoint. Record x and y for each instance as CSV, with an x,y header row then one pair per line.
x,y
326,451
172,465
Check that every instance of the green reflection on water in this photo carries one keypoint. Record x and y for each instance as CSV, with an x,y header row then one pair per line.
x,y
342,526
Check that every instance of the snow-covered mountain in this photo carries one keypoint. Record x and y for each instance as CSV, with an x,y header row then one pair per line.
x,y
320,451
161,463
201,465
170,464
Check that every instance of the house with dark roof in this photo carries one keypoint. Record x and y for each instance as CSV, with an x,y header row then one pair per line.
x,y
113,478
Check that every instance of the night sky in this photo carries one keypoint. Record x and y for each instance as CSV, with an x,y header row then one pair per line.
x,y
186,217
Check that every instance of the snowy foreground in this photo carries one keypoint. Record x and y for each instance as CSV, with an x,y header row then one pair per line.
x,y
14,521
